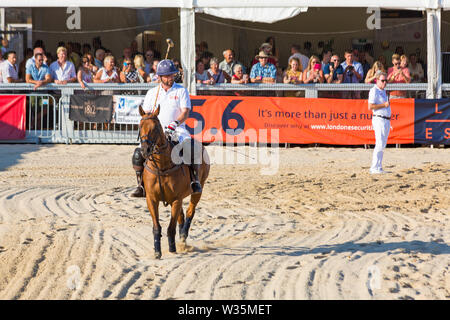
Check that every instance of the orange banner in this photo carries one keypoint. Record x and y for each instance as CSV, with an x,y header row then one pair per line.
x,y
294,120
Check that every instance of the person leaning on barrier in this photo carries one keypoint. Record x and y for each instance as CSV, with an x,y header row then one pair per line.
x,y
108,73
128,73
217,74
201,75
239,77
10,71
293,73
38,73
31,61
333,71
313,73
62,70
174,103
263,71
85,75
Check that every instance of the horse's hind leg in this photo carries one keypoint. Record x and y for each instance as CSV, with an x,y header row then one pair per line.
x,y
195,198
171,230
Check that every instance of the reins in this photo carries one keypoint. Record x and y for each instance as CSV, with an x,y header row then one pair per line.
x,y
153,147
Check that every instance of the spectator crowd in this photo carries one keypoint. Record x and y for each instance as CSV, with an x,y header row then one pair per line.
x,y
84,64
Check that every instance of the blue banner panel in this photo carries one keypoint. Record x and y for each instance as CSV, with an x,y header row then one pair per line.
x,y
432,121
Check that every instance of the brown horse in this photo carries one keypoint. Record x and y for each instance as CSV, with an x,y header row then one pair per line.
x,y
166,181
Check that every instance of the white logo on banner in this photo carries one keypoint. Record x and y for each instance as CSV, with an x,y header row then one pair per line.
x,y
374,21
127,109
73,22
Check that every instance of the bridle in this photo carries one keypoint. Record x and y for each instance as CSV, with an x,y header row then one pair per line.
x,y
154,150
151,140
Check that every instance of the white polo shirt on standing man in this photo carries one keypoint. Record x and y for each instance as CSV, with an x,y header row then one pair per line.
x,y
381,125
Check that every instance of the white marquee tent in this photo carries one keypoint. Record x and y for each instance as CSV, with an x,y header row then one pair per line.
x,y
265,11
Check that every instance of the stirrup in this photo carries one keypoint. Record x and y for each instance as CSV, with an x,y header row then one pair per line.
x,y
196,187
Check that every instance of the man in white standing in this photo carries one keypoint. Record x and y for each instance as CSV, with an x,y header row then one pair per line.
x,y
175,104
379,104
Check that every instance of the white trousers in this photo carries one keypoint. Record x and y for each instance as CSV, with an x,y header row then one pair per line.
x,y
381,127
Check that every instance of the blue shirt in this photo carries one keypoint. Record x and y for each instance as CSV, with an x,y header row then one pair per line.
x,y
338,70
37,74
352,78
268,71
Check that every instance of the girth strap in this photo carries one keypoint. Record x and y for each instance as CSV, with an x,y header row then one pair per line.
x,y
162,173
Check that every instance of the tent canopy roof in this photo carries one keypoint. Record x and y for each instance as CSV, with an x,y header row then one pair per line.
x,y
399,4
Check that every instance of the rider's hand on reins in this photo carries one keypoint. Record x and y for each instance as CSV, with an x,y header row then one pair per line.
x,y
170,129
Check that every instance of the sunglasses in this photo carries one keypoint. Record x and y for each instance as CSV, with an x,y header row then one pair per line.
x,y
397,64
263,58
384,80
149,55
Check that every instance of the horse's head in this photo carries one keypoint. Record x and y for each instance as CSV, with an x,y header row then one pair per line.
x,y
151,132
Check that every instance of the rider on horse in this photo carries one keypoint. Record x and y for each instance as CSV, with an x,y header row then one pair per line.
x,y
175,104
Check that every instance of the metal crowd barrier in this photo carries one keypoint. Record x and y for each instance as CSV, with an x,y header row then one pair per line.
x,y
48,107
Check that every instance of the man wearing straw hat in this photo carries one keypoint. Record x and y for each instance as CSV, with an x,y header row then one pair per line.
x,y
263,71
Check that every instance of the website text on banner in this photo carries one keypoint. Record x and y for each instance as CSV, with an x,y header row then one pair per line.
x,y
12,117
327,121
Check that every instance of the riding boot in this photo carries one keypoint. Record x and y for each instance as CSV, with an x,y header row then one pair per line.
x,y
195,183
140,190
138,166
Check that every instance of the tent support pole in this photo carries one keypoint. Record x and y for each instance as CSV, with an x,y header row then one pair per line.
x,y
187,48
434,59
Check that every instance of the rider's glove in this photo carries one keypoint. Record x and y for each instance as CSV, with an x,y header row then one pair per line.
x,y
170,129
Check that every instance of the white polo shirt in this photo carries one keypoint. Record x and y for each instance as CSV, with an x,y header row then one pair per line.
x,y
9,71
171,103
379,96
62,73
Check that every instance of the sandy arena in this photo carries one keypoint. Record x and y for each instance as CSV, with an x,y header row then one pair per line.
x,y
322,227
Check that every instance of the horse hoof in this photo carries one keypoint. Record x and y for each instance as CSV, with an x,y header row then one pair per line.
x,y
157,255
173,249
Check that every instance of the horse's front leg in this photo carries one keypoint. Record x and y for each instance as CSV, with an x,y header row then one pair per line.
x,y
153,208
171,230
